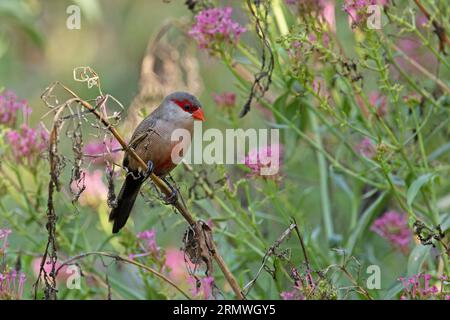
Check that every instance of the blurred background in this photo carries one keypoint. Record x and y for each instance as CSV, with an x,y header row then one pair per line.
x,y
141,52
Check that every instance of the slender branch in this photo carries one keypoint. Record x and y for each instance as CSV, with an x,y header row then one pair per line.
x,y
302,244
420,68
438,29
268,254
122,259
355,283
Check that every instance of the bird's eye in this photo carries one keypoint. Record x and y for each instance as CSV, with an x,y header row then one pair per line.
x,y
186,107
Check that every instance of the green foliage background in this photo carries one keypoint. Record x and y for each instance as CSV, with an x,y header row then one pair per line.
x,y
333,193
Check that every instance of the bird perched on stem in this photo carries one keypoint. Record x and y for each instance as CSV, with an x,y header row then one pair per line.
x,y
153,144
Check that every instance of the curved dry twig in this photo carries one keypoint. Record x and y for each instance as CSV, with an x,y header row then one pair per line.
x,y
122,259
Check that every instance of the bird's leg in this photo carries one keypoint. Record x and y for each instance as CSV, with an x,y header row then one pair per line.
x,y
149,170
173,197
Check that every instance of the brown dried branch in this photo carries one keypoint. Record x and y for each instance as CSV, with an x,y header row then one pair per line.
x,y
51,249
302,244
343,267
268,254
112,202
262,80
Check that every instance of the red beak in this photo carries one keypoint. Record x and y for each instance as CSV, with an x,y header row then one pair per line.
x,y
198,115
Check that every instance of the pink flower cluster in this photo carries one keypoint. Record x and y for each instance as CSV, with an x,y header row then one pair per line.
x,y
27,142
225,99
11,285
393,226
215,25
9,106
418,287
259,160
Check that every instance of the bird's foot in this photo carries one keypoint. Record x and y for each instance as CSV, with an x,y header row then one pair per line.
x,y
149,170
173,197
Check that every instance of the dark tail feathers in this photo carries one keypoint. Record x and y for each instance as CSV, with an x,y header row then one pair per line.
x,y
125,201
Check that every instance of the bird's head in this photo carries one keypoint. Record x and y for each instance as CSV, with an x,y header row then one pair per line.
x,y
183,105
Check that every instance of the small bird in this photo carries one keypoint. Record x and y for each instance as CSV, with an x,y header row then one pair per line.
x,y
152,142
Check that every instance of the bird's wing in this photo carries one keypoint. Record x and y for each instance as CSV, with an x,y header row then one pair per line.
x,y
137,139
143,130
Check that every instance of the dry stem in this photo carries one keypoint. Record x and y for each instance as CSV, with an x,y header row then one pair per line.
x,y
123,259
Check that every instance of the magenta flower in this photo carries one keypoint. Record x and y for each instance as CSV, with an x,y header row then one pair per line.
x,y
264,161
366,148
225,99
9,106
27,143
213,26
11,285
418,287
393,226
202,286
103,151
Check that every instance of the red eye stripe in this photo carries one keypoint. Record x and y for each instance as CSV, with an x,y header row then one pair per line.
x,y
186,105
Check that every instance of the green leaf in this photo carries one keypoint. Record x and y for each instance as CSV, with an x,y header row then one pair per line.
x,y
393,291
346,106
445,224
363,223
416,185
439,151
417,258
20,15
